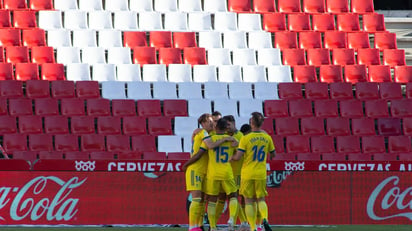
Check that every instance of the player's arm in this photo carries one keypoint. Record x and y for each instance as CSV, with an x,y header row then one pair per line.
x,y
213,144
238,155
194,158
195,132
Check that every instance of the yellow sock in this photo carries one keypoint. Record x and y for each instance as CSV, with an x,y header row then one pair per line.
x,y
233,208
241,214
220,205
250,211
201,214
263,209
211,213
194,212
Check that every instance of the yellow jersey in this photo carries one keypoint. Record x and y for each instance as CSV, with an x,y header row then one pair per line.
x,y
256,146
219,167
201,164
237,165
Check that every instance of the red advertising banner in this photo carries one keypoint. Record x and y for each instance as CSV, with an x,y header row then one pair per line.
x,y
130,198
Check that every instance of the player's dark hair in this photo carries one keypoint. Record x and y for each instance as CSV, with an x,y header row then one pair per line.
x,y
203,118
216,113
245,129
229,118
221,124
257,119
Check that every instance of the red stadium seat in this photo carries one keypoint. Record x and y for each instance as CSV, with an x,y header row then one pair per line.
x,y
159,126
66,143
390,91
6,70
239,6
15,142
338,126
118,143
299,22
376,108
363,126
385,40
310,39
92,143
355,73
351,108
148,108
133,125
300,108
82,125
278,141
87,89
285,156
194,55
264,6
294,57
52,71
341,91
398,144
335,39
41,5
313,6
405,156
76,155
30,124
144,55
318,57
359,157
169,55
46,106
297,144
154,155
373,144
312,126
24,19
56,125
62,89
394,57
134,39
42,55
403,74
160,39
326,108
408,90
288,6
330,73
101,155
8,124
323,22
304,74
337,6
20,106
267,126
348,144
276,108
358,40
11,89
184,39
30,156
5,19
406,126
334,156
14,4
17,54
143,143
34,37
98,107
178,155
273,22
322,144
123,107
369,56
367,91
108,125
26,71
46,155
384,157
37,89
174,108
316,91
379,73
287,126
347,22
286,39
343,56
362,6
290,91
41,142
373,22
389,126
10,37
308,156
72,107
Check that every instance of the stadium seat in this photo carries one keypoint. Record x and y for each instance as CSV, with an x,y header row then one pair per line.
x,y
297,144
210,39
312,126
8,124
299,22
292,57
369,56
53,155
92,143
164,90
390,91
108,125
279,143
118,143
335,39
239,6
373,22
287,126
244,57
134,39
194,55
348,144
273,22
154,72
30,124
337,6
46,106
128,72
170,55
26,71
56,125
323,22
394,57
5,19
172,108
148,108
42,55
165,6
338,126
119,55
20,106
389,126
184,39
116,5
190,90
24,19
200,21
15,142
373,144
82,124
141,6
144,55
347,22
76,155
405,157
226,106
263,6
98,107
68,55
225,21
17,54
326,108
160,39
286,39
78,71
37,89
62,89
139,90
100,20
190,5
363,126
287,6
385,40
367,91
313,6
234,40
269,57
10,37
219,56
143,143
133,125
66,142
215,6
322,144
330,73
259,40
109,38
229,73
300,108
362,6
376,108
290,91
403,74
316,91
276,108
113,90
123,107
91,5
50,19
215,90
406,126
93,55
3,106
75,19
87,89
355,73
379,73
178,155
247,106
40,142
318,57
343,56
169,143
154,155
397,144
351,108
196,107
183,125
52,71
358,40
6,71
308,40
254,74
33,37
101,155
308,156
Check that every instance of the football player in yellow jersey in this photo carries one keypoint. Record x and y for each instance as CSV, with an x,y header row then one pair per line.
x,y
195,173
219,174
254,148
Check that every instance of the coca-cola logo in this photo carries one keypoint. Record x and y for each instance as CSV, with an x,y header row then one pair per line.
x,y
388,201
33,200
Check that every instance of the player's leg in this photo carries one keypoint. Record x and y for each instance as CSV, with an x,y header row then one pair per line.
x,y
220,204
233,210
194,185
241,214
212,190
251,211
261,193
